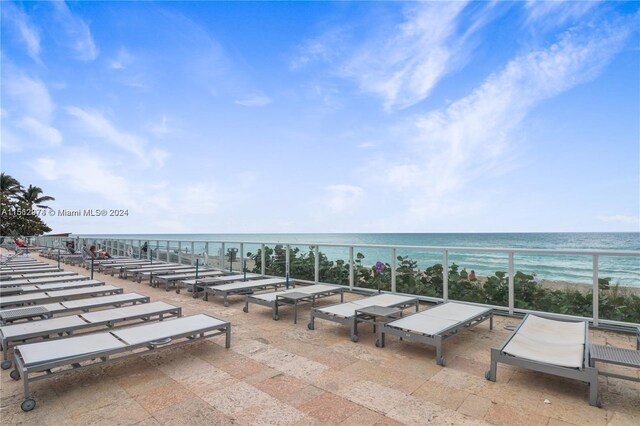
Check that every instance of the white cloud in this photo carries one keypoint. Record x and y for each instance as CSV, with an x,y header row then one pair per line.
x,y
366,145
122,60
78,32
621,219
45,133
161,129
342,198
404,69
31,96
28,32
474,136
553,13
98,126
254,101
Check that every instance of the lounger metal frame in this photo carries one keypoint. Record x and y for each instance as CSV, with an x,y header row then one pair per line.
x,y
585,374
213,281
282,300
8,343
436,340
350,321
249,288
103,290
35,288
30,313
172,280
46,370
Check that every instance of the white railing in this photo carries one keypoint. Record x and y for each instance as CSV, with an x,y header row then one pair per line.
x,y
181,250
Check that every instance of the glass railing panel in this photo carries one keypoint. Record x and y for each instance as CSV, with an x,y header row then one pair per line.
x,y
301,262
551,283
619,288
479,277
334,265
365,259
251,251
419,272
232,261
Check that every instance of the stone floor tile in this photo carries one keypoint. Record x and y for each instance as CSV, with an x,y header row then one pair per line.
x,y
442,395
125,412
194,412
272,412
415,411
503,414
161,397
475,406
374,396
235,398
329,408
364,416
281,386
303,395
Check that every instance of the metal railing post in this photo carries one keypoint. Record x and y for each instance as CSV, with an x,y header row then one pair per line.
x,y
242,256
445,275
180,252
286,265
222,256
511,285
316,265
92,259
192,251
206,250
351,268
167,256
263,257
393,270
596,292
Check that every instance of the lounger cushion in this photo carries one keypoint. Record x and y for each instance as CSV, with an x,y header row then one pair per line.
x,y
383,300
342,310
417,323
23,328
455,311
547,341
126,312
116,298
36,353
160,330
249,284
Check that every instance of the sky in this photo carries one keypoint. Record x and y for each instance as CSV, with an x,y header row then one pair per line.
x,y
326,117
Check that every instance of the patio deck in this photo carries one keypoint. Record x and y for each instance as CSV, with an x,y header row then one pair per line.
x,y
279,373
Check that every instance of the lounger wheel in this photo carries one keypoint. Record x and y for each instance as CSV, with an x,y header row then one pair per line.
x,y
442,361
276,317
226,304
28,404
14,375
378,343
487,374
245,310
354,339
310,326
599,402
6,365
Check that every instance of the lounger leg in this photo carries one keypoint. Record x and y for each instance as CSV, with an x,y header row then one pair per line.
x,y
341,296
593,387
228,340
491,321
246,304
274,311
380,338
354,329
312,321
226,301
439,358
417,305
493,370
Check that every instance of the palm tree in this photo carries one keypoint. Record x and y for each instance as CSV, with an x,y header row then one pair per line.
x,y
9,186
31,196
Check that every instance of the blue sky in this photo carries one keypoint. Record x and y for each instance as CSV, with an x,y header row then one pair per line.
x,y
326,117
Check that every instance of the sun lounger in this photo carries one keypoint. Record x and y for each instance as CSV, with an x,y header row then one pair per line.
x,y
549,346
244,287
113,267
101,264
50,310
206,282
172,279
294,296
36,281
148,275
29,270
34,275
124,274
435,325
345,313
5,291
41,360
60,327
52,296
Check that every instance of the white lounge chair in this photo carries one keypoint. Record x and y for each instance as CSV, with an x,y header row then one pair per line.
x,y
51,296
435,325
25,289
50,310
549,346
345,313
293,296
56,328
203,283
170,280
43,360
244,287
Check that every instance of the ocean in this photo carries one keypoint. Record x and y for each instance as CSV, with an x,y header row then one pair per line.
x,y
624,271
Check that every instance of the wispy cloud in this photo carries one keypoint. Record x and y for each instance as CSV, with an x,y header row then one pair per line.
x,y
98,126
405,69
162,129
29,34
78,32
554,13
473,136
254,101
31,108
122,60
621,219
342,198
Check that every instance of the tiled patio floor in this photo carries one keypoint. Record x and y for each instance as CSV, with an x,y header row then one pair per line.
x,y
279,373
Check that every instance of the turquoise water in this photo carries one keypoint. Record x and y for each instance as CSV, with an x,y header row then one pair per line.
x,y
578,269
